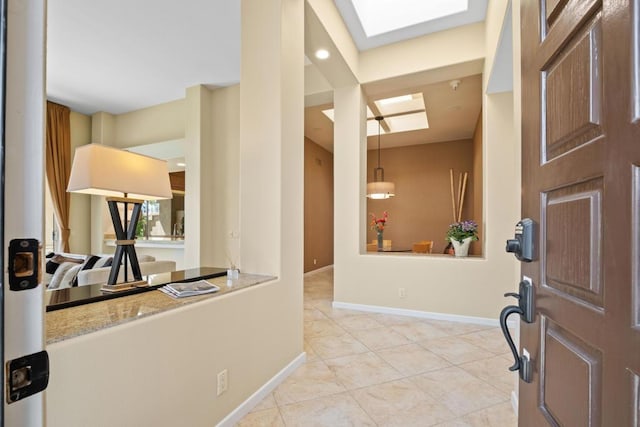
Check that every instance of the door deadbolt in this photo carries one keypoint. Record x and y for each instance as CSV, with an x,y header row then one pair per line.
x,y
522,245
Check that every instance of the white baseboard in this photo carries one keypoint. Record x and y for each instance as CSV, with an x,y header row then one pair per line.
x,y
514,402
319,270
421,314
245,407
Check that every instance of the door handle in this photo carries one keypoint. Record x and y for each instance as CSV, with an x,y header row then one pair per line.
x,y
504,314
525,300
526,311
521,364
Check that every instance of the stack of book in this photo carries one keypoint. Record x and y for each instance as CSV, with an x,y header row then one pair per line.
x,y
180,290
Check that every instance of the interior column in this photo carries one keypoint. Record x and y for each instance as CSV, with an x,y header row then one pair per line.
x,y
271,137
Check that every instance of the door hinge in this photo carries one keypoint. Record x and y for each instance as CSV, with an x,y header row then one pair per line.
x,y
27,375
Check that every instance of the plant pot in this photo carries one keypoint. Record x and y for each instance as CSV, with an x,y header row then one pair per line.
x,y
461,248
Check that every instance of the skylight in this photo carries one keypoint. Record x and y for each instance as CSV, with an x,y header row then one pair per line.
x,y
372,125
400,104
408,122
404,113
383,16
401,114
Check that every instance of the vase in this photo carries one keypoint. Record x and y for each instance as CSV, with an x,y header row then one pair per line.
x,y
448,250
461,248
380,241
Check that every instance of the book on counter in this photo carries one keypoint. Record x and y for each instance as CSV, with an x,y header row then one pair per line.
x,y
180,290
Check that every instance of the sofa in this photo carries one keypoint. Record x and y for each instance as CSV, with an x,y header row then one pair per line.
x,y
66,270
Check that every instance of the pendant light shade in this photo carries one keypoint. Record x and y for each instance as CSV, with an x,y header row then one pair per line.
x,y
379,188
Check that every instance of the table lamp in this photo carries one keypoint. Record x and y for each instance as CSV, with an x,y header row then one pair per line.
x,y
124,178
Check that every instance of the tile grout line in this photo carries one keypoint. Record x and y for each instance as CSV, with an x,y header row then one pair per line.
x,y
320,304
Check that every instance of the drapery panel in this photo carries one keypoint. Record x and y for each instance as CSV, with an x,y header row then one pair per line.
x,y
58,165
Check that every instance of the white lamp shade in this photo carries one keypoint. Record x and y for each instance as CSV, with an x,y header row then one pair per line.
x,y
108,171
381,190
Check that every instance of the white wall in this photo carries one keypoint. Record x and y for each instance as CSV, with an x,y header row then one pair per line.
x,y
223,245
24,160
197,155
80,208
429,52
468,287
162,122
161,370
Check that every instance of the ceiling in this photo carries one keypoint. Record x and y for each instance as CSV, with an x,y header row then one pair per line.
x,y
118,56
122,55
452,114
389,9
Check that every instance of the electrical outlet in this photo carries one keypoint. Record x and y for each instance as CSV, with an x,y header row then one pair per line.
x,y
402,293
315,261
222,382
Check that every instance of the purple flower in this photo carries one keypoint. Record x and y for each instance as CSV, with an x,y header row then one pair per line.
x,y
461,230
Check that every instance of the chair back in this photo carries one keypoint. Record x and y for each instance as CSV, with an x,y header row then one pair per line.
x,y
423,247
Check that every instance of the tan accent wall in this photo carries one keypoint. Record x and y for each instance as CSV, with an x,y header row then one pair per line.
x,y
476,247
421,209
318,206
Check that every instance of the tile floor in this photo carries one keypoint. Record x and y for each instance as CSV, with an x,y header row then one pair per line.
x,y
366,369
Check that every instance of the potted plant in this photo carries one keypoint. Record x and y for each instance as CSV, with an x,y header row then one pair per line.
x,y
461,234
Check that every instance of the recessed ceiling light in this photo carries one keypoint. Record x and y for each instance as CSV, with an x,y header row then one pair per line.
x,y
322,54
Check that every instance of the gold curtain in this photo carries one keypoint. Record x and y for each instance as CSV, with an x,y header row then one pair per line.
x,y
58,149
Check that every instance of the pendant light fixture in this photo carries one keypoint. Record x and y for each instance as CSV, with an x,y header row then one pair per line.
x,y
379,189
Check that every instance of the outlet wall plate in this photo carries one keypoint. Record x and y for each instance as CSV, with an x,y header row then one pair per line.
x,y
222,382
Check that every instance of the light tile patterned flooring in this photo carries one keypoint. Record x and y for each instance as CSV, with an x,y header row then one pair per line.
x,y
367,369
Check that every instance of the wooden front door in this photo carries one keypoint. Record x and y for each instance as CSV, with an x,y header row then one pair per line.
x,y
581,185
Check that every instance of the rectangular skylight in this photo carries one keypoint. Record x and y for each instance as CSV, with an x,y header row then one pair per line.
x,y
372,125
408,122
401,113
395,100
401,104
383,16
372,128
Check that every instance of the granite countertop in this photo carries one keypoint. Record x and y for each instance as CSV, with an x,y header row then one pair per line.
x,y
84,319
